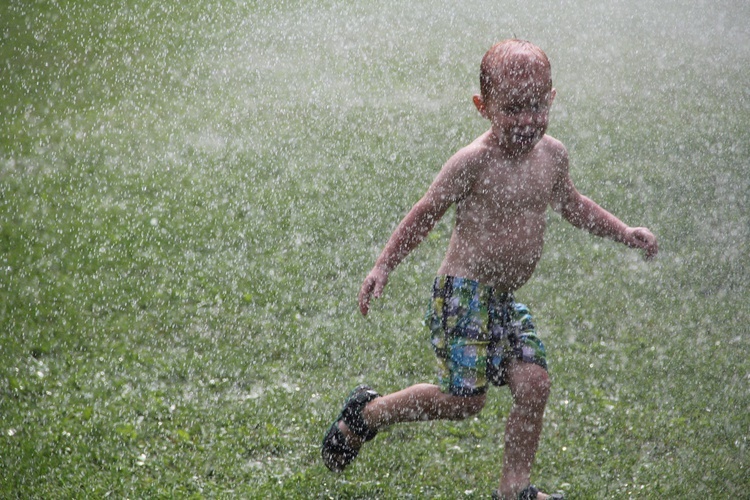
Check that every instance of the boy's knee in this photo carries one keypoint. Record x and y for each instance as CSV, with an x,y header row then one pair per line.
x,y
531,385
540,383
471,405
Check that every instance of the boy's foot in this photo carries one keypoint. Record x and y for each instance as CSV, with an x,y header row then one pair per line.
x,y
347,433
530,493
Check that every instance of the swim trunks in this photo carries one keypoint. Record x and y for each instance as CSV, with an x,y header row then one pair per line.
x,y
476,331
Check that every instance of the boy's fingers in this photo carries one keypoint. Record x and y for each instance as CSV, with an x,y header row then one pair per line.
x,y
370,288
364,296
364,306
373,286
647,242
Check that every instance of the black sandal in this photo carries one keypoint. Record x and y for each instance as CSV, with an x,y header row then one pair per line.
x,y
336,453
530,493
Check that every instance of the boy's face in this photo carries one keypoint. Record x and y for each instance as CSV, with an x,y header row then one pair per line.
x,y
518,110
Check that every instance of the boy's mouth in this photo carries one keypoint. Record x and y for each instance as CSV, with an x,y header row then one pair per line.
x,y
524,137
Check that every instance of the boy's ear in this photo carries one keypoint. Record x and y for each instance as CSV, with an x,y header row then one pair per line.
x,y
479,103
552,94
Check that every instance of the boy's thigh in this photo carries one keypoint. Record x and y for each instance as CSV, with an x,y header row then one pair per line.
x,y
523,348
462,366
466,367
475,336
457,318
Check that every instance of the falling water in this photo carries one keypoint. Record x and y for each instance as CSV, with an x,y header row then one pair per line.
x,y
191,194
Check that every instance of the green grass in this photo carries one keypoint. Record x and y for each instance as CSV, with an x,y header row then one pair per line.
x,y
191,196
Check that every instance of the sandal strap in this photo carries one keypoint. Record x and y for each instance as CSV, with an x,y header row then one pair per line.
x,y
530,493
335,452
336,444
352,412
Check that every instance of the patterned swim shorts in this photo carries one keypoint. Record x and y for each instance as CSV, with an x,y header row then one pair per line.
x,y
476,331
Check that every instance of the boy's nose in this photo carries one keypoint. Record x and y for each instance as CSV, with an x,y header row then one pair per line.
x,y
525,119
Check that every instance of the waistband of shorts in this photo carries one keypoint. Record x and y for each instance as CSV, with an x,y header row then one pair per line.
x,y
445,285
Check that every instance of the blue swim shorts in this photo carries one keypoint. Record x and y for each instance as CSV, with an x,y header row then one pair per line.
x,y
475,332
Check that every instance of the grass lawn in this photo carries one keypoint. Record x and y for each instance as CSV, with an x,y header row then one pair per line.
x,y
190,197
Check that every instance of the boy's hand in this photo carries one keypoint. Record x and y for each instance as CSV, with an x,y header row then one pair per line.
x,y
640,237
372,287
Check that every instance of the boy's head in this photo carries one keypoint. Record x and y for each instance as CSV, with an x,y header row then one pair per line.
x,y
509,61
516,93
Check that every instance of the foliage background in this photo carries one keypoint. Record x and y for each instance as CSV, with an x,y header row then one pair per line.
x,y
191,194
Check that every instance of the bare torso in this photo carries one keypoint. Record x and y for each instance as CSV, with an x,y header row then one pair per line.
x,y
499,229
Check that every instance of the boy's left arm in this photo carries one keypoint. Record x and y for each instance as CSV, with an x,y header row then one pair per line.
x,y
584,213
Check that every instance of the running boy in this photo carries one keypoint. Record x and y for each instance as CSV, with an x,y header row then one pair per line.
x,y
502,184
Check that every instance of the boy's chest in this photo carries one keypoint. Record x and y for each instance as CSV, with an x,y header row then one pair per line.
x,y
523,184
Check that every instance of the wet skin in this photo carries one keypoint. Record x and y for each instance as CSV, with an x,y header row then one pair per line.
x,y
502,184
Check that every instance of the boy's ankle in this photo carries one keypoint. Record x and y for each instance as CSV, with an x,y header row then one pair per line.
x,y
352,439
528,493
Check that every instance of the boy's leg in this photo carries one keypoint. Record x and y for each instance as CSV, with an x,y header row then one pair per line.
x,y
529,385
421,402
416,403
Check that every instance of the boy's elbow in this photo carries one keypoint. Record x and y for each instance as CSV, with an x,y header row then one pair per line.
x,y
561,208
575,209
575,217
565,210
430,211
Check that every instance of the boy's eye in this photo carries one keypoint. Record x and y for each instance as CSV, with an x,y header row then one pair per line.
x,y
536,106
531,108
530,105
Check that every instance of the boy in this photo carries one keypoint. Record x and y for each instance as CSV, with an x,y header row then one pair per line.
x,y
502,184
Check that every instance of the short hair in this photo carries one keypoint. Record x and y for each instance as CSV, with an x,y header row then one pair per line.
x,y
510,56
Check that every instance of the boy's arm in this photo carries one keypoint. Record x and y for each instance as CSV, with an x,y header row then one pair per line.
x,y
407,236
584,213
450,185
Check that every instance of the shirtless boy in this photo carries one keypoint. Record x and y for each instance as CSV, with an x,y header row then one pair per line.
x,y
501,184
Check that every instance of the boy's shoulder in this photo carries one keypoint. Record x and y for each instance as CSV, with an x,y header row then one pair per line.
x,y
471,155
477,152
473,160
553,147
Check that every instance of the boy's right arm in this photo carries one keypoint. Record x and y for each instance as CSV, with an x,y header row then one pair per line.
x,y
407,236
451,184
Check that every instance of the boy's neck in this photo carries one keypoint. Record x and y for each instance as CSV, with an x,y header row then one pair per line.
x,y
507,152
